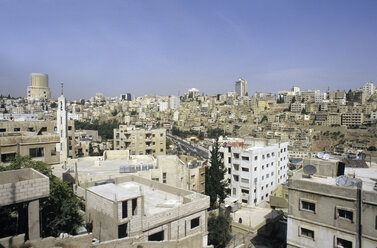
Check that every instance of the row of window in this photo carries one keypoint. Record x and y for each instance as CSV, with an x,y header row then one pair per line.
x,y
339,242
341,213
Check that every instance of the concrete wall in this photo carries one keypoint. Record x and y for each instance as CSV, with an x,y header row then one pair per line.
x,y
30,185
13,241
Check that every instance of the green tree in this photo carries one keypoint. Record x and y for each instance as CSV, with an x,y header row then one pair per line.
x,y
372,148
215,185
53,105
59,212
219,228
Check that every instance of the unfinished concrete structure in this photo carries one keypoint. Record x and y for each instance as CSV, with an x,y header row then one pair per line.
x,y
140,141
25,185
152,211
37,139
329,211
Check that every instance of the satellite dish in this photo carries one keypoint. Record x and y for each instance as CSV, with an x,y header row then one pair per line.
x,y
320,155
344,181
309,170
326,157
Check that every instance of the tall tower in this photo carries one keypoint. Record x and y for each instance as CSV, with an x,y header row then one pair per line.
x,y
38,88
62,128
240,87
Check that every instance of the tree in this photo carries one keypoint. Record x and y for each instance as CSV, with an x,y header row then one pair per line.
x,y
59,212
215,185
53,105
372,148
219,228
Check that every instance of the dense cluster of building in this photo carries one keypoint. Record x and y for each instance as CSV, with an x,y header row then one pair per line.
x,y
140,186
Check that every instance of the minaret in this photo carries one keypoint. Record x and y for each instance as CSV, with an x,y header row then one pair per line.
x,y
62,128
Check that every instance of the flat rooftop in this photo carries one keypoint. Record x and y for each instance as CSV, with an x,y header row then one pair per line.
x,y
155,200
103,168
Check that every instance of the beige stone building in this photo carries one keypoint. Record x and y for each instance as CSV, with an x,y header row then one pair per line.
x,y
329,211
37,139
140,141
352,119
151,211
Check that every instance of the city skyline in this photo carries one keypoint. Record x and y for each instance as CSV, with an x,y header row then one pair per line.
x,y
162,48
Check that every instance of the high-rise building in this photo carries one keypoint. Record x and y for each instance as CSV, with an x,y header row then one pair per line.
x,y
241,87
38,88
255,167
369,89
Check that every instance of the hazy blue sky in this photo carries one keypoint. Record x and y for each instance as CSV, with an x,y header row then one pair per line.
x,y
165,47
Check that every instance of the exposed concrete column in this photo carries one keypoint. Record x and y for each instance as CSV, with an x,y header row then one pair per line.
x,y
33,215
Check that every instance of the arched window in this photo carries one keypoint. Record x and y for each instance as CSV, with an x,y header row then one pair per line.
x,y
240,220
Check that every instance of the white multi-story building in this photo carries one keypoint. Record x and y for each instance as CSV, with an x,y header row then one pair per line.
x,y
241,87
174,102
369,89
254,167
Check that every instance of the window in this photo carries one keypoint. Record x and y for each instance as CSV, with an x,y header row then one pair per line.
x,y
245,158
273,154
244,191
234,191
122,231
36,152
245,169
240,220
229,171
229,160
164,177
53,152
268,155
256,158
244,180
308,206
17,129
69,128
158,236
255,168
307,233
7,157
236,155
2,130
236,167
124,209
134,206
235,178
344,214
244,201
195,222
343,243
263,157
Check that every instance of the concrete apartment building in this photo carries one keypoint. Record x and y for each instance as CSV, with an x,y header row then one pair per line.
x,y
140,141
38,139
329,211
38,88
352,119
255,167
148,210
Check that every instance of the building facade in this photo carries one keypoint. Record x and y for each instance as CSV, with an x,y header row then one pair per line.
x,y
152,211
241,87
328,212
254,168
140,141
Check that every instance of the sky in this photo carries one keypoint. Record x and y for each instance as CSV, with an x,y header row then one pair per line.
x,y
167,47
